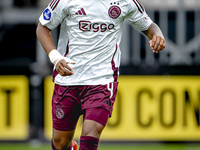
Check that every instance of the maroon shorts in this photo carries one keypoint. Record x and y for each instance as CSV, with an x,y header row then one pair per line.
x,y
94,101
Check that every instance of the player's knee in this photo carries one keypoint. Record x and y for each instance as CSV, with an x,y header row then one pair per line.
x,y
62,139
98,128
92,128
96,132
61,143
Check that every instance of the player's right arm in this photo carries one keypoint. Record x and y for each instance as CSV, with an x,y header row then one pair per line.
x,y
45,38
51,17
60,62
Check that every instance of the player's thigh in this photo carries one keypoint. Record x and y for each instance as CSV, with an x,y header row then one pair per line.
x,y
100,96
92,128
95,120
65,108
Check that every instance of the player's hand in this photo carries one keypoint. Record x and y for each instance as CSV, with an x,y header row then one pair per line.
x,y
157,43
63,68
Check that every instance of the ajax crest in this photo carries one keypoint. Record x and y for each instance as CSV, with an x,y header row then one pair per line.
x,y
114,12
60,113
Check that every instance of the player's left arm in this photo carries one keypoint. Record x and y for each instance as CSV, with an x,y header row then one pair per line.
x,y
157,41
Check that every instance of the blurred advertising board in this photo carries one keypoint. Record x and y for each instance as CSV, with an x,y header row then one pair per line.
x,y
14,108
148,108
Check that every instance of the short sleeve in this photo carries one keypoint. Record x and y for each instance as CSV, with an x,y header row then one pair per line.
x,y
54,14
137,16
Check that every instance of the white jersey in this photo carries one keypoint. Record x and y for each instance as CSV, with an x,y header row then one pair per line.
x,y
90,35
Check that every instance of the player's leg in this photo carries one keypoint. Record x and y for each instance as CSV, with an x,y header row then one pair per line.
x,y
94,122
97,104
65,113
62,140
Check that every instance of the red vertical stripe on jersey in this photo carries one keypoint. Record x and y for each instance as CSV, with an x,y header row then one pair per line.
x,y
51,3
83,11
55,4
67,49
55,73
142,7
137,6
115,69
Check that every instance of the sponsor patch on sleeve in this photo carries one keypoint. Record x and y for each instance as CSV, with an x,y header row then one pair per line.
x,y
47,14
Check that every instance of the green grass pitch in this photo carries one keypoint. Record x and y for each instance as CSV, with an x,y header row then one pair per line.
x,y
102,146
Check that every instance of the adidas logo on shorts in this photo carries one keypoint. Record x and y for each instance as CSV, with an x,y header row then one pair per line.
x,y
108,102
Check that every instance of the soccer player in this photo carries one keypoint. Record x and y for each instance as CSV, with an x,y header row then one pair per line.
x,y
86,62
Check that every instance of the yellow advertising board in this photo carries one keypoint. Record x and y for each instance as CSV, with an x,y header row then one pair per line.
x,y
149,108
14,107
